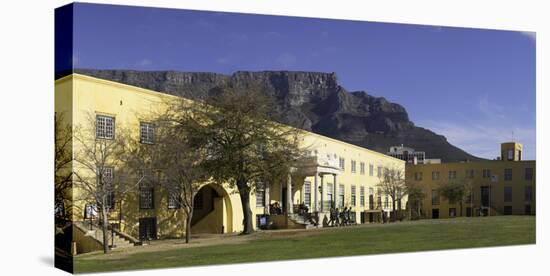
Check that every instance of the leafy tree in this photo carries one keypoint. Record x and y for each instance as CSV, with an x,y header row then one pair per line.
x,y
243,146
392,183
456,190
415,197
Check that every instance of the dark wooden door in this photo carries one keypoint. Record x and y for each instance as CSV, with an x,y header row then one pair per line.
x,y
147,229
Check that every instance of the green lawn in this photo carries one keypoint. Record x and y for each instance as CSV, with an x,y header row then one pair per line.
x,y
347,241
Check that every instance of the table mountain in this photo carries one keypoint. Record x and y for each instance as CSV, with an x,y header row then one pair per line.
x,y
313,101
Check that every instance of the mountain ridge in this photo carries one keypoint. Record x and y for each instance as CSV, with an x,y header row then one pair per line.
x,y
313,101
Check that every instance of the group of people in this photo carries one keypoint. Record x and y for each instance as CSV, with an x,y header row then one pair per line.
x,y
340,218
275,209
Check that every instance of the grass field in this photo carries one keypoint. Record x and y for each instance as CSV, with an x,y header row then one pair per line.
x,y
285,244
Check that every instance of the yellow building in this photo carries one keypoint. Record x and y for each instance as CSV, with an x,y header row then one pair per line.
x,y
331,171
499,187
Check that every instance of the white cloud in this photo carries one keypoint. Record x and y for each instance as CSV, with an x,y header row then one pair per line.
x,y
481,135
482,138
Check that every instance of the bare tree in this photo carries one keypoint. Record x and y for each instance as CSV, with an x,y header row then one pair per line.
x,y
100,173
63,172
457,191
178,166
392,183
242,144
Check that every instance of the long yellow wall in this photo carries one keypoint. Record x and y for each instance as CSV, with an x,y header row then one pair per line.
x,y
80,96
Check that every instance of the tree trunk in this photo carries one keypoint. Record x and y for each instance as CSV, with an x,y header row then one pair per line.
x,y
104,229
245,201
394,214
188,227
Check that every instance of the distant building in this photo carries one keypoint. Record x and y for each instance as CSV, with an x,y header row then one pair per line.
x,y
505,186
411,156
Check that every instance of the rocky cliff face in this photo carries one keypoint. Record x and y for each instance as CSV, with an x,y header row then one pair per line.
x,y
312,101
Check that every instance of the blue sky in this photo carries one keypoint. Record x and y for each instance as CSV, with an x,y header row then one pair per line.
x,y
474,86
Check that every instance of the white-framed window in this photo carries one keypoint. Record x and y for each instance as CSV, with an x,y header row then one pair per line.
x,y
362,168
307,193
510,155
260,194
146,198
342,163
353,195
174,200
353,166
105,127
146,133
362,196
371,198
341,198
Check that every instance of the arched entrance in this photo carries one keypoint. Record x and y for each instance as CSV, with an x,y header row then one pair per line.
x,y
213,212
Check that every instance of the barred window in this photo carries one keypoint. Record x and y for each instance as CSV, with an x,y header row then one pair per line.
x,y
105,127
307,193
507,174
362,196
353,195
146,133
452,174
362,168
174,200
260,194
146,198
107,175
528,173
